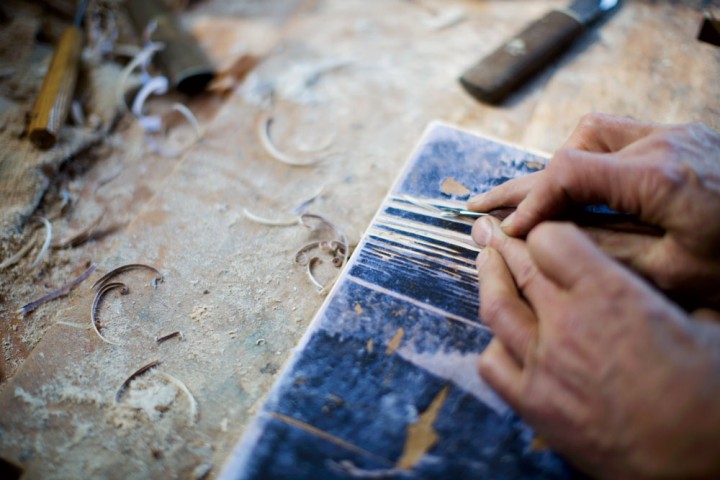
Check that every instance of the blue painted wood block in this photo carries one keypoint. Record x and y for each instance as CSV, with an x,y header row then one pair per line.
x,y
396,345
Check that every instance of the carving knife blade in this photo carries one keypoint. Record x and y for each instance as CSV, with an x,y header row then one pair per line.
x,y
493,78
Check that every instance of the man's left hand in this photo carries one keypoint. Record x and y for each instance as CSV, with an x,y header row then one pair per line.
x,y
608,372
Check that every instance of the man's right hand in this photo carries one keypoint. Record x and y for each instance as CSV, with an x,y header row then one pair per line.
x,y
669,176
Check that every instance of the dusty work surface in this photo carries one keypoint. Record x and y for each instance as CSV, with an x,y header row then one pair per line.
x,y
351,84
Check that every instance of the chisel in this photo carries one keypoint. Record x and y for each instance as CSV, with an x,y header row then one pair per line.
x,y
503,71
56,94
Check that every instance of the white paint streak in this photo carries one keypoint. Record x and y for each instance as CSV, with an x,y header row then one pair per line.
x,y
423,305
459,368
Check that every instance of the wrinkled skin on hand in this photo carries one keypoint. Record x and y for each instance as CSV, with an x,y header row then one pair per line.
x,y
608,372
668,176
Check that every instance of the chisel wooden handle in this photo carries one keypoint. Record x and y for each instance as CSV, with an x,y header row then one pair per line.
x,y
498,74
616,222
53,102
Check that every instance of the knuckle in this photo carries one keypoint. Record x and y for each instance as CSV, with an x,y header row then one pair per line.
x,y
667,175
492,309
560,160
525,276
591,120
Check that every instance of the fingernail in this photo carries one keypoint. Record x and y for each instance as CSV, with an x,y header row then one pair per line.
x,y
508,221
485,229
475,201
482,257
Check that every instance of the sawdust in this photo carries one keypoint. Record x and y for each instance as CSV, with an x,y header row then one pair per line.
x,y
200,313
151,396
374,110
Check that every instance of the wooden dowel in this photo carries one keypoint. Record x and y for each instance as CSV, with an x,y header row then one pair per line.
x,y
53,102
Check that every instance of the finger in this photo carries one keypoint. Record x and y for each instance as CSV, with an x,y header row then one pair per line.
x,y
706,315
508,194
498,368
534,287
576,177
502,308
601,133
567,256
628,248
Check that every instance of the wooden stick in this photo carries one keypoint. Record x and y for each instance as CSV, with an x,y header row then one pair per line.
x,y
53,103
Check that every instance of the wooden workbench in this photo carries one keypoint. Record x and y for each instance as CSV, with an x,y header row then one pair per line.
x,y
360,78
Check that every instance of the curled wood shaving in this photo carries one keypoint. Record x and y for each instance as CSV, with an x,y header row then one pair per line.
x,y
78,238
57,293
132,377
190,117
332,247
98,296
322,220
194,413
142,59
20,254
46,244
156,86
275,222
337,248
311,264
302,206
125,268
167,152
272,150
339,235
285,221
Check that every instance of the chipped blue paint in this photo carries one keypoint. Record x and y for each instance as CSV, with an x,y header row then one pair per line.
x,y
342,407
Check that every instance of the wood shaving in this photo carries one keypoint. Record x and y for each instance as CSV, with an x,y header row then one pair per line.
x,y
193,405
46,243
194,412
78,238
20,254
98,297
167,152
167,337
142,59
156,86
190,117
337,248
132,377
125,268
274,222
272,150
302,206
286,221
311,264
60,292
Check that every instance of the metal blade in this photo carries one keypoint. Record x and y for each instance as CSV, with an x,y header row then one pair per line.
x,y
588,11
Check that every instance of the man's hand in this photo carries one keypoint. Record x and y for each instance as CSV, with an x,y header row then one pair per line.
x,y
609,373
668,176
